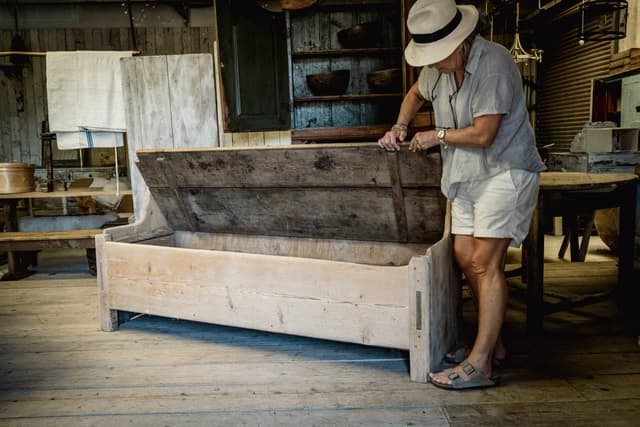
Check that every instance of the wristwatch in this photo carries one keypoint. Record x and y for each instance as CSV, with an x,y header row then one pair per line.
x,y
441,134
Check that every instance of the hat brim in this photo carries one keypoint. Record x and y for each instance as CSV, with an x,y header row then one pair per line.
x,y
420,55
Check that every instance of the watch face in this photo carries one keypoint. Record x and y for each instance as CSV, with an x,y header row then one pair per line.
x,y
441,134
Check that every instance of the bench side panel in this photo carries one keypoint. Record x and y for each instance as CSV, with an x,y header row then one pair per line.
x,y
316,298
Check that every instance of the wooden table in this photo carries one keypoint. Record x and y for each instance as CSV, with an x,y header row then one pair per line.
x,y
565,193
24,243
9,201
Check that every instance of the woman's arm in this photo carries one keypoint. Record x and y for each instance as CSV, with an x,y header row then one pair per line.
x,y
408,109
480,134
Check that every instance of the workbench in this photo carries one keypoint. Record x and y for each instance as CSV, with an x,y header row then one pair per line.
x,y
569,193
20,245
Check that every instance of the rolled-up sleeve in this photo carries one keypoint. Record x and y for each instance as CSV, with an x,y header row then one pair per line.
x,y
494,96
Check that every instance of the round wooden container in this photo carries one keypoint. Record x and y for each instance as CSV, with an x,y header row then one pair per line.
x,y
16,177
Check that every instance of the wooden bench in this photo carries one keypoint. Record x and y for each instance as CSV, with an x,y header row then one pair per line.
x,y
20,246
343,242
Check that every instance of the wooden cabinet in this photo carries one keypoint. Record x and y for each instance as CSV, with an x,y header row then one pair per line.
x,y
253,59
630,101
315,48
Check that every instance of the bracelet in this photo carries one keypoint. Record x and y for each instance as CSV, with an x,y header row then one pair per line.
x,y
399,126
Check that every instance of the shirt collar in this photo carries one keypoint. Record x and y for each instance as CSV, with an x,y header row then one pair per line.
x,y
477,48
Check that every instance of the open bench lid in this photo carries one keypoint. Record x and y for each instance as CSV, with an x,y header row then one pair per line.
x,y
334,191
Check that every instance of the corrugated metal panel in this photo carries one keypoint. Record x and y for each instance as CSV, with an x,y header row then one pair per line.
x,y
566,73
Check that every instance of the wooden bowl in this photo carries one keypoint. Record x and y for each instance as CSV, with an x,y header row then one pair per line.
x,y
16,177
296,4
331,83
270,5
384,81
368,34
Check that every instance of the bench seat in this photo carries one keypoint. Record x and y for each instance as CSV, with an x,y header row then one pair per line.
x,y
37,240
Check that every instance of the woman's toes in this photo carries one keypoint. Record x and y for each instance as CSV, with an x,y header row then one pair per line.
x,y
440,378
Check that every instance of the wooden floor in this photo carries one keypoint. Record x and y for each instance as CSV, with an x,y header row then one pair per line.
x,y
58,369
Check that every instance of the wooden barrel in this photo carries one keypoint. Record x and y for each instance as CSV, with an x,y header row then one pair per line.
x,y
607,224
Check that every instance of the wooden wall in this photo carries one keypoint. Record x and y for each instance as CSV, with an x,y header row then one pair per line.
x,y
23,98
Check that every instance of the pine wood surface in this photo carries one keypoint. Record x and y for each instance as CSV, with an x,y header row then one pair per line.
x,y
57,368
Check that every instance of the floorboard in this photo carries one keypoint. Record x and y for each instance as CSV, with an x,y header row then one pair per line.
x,y
58,368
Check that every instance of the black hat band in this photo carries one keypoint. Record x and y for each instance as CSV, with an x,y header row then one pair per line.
x,y
441,33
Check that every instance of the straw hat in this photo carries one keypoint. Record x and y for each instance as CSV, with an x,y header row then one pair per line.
x,y
437,28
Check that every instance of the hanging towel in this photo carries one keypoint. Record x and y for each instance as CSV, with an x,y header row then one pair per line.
x,y
84,93
89,139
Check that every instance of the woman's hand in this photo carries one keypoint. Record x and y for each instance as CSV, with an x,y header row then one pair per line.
x,y
390,141
424,140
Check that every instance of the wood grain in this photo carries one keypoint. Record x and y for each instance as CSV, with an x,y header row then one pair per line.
x,y
169,102
281,294
347,191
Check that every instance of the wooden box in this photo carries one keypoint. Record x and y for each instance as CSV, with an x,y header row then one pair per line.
x,y
344,242
606,140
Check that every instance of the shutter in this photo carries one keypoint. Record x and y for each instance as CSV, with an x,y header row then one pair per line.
x,y
566,73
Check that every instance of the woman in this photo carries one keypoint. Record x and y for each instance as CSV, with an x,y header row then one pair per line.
x,y
490,162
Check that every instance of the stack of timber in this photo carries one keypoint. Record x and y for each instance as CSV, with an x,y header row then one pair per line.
x,y
627,60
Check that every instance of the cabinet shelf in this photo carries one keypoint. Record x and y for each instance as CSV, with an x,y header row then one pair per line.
x,y
346,52
355,3
355,97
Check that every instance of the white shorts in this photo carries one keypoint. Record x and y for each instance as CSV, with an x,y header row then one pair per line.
x,y
499,207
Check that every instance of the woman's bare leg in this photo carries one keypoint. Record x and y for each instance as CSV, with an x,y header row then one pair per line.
x,y
481,260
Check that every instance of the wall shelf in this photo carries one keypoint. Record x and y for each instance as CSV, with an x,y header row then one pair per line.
x,y
315,48
354,97
346,52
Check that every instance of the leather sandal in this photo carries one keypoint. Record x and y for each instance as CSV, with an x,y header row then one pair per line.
x,y
459,355
476,379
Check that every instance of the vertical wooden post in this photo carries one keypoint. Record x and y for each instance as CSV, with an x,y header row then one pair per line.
x,y
418,286
628,293
535,268
108,317
434,298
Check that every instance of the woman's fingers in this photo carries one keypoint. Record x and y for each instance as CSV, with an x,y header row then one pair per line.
x,y
389,142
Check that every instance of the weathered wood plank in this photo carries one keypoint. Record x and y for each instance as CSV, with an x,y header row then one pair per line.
x,y
25,241
272,417
233,289
192,101
362,214
344,190
610,413
360,252
291,166
168,105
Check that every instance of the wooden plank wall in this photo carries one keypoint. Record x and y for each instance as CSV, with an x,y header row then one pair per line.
x,y
319,31
169,102
23,98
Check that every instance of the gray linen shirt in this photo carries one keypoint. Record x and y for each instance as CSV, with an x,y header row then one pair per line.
x,y
491,85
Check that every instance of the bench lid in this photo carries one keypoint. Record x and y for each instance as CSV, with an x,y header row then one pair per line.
x,y
337,191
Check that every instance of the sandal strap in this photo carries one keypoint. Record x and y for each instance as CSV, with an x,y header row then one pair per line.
x,y
451,374
467,367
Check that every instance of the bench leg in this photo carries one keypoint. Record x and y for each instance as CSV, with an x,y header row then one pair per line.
x,y
18,263
108,317
434,298
418,321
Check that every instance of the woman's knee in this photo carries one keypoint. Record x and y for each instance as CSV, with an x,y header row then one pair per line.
x,y
463,248
482,263
463,257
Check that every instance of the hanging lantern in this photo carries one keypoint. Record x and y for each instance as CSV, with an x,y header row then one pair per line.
x,y
517,51
610,17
